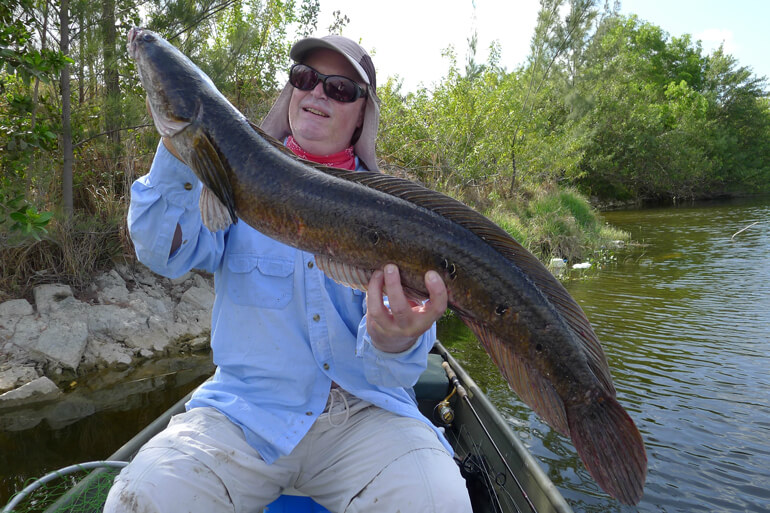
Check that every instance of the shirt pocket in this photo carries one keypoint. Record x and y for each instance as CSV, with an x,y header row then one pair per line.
x,y
260,281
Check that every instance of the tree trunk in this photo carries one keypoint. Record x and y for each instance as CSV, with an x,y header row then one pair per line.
x,y
513,165
81,58
111,79
66,114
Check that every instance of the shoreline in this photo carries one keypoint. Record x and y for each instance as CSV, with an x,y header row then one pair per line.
x,y
59,349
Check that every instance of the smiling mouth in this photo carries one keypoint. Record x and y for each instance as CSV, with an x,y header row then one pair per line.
x,y
316,112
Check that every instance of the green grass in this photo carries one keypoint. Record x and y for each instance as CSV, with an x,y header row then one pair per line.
x,y
555,223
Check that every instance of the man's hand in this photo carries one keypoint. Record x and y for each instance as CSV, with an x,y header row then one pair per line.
x,y
396,329
166,141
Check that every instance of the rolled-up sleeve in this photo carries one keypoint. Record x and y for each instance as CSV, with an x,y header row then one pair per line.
x,y
166,196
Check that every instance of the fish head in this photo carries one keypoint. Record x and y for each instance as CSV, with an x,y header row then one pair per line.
x,y
173,83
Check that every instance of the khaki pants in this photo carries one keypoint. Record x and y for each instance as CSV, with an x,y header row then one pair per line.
x,y
355,458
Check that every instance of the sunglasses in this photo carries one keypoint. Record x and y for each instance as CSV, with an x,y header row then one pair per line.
x,y
336,87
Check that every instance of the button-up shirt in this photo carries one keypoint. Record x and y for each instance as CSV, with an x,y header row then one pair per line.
x,y
281,330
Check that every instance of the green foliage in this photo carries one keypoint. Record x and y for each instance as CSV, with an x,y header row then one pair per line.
x,y
663,118
555,223
605,106
16,215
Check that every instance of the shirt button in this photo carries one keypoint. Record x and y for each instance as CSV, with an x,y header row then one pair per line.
x,y
309,413
310,265
188,186
316,317
326,366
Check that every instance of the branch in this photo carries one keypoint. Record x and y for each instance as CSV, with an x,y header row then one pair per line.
x,y
744,229
80,143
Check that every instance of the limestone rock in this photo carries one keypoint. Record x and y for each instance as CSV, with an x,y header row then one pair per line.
x,y
49,297
15,308
112,288
39,390
16,376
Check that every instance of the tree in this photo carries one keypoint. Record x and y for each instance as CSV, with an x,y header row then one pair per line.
x,y
556,42
66,116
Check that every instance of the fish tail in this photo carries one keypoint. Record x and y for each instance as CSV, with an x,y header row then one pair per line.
x,y
610,446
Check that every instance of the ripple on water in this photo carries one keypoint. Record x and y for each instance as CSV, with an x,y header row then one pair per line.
x,y
685,323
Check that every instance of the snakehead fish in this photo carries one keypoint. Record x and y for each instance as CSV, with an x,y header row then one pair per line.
x,y
356,222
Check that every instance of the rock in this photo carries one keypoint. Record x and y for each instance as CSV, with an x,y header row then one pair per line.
x,y
36,391
16,376
27,331
127,313
180,280
199,343
63,341
113,288
196,299
108,353
49,297
114,322
15,308
10,314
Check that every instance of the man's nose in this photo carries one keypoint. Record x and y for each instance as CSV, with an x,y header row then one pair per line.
x,y
318,90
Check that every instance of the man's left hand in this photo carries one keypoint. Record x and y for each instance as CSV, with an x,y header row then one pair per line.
x,y
397,328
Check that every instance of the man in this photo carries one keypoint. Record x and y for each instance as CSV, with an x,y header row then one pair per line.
x,y
312,382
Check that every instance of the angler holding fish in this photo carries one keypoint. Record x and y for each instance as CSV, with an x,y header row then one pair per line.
x,y
311,384
287,339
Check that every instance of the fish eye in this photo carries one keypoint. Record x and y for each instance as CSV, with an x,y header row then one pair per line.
x,y
148,37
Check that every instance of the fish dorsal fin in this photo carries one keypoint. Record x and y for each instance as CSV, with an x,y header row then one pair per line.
x,y
488,231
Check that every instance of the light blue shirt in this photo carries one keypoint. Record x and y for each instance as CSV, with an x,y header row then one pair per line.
x,y
281,330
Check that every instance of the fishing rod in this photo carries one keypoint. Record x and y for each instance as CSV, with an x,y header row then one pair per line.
x,y
460,389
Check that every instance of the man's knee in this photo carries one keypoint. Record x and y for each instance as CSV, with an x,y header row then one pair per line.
x,y
164,479
425,480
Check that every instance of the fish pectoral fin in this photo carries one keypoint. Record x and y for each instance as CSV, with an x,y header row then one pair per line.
x,y
358,278
610,446
525,379
214,214
344,274
216,202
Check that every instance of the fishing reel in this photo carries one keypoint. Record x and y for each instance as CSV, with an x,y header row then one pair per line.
x,y
445,412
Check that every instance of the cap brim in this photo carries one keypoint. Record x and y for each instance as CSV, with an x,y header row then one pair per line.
x,y
301,48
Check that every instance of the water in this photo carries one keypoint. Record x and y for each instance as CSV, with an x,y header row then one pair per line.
x,y
685,323
99,415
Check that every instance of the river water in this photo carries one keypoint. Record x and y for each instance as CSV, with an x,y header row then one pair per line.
x,y
685,321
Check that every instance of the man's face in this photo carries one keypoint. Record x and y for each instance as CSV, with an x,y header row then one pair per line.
x,y
319,124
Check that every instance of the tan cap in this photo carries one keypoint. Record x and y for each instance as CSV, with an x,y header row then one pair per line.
x,y
276,123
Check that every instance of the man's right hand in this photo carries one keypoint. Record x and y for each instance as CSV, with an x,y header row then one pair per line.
x,y
166,141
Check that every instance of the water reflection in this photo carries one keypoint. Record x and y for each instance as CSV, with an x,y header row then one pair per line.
x,y
92,421
685,322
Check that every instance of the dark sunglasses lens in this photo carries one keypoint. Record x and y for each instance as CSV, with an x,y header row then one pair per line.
x,y
303,77
341,89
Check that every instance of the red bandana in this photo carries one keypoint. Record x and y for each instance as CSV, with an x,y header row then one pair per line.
x,y
345,159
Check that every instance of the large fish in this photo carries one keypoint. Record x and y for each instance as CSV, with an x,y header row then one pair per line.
x,y
356,222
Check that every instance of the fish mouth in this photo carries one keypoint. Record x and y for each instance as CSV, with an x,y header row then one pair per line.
x,y
133,33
